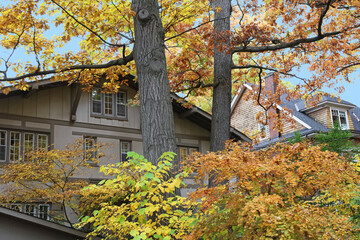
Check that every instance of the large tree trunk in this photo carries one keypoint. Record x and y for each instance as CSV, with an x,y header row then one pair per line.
x,y
157,122
220,125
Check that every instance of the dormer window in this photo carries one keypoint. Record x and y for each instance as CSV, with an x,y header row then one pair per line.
x,y
263,131
339,117
108,105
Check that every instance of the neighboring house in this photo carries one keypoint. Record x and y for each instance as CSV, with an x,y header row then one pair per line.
x,y
306,120
19,226
56,113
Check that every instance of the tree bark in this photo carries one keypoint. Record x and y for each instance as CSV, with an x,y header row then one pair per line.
x,y
220,124
157,121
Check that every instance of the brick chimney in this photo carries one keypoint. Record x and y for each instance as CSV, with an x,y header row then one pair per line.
x,y
271,86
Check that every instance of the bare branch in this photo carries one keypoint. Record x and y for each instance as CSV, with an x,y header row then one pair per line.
x,y
117,62
286,45
348,66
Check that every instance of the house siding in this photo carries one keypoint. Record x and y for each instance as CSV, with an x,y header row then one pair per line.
x,y
322,116
48,111
243,117
291,125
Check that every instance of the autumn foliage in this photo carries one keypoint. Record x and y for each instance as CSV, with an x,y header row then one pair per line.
x,y
283,192
139,202
49,176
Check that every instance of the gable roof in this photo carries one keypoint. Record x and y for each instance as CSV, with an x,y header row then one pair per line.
x,y
193,113
299,114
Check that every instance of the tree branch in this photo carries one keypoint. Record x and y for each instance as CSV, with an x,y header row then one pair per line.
x,y
86,27
117,62
286,45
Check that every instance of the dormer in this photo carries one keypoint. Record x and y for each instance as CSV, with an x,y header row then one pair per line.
x,y
330,111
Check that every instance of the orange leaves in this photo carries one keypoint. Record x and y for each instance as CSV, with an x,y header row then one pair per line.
x,y
286,191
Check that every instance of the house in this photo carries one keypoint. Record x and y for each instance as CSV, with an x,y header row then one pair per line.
x,y
19,226
56,113
307,120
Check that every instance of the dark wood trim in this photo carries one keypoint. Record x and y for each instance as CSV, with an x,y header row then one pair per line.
x,y
76,133
68,123
185,136
75,99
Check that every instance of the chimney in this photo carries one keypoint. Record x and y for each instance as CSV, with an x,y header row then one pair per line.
x,y
271,86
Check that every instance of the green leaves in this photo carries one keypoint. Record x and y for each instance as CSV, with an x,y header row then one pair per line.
x,y
141,208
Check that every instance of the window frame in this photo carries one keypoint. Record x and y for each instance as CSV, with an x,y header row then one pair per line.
x,y
22,133
114,104
261,129
94,155
121,150
6,146
188,151
347,127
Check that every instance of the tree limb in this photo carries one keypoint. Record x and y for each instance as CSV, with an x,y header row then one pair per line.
x,y
86,27
117,62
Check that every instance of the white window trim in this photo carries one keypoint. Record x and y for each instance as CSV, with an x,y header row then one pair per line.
x,y
48,211
20,142
346,117
267,132
121,149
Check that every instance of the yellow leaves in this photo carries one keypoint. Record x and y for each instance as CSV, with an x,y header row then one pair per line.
x,y
140,206
218,9
47,175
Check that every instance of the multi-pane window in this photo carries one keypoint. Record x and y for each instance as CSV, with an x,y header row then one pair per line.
x,y
2,146
96,97
33,209
108,105
125,147
16,145
42,141
187,151
30,209
339,118
108,108
263,131
16,207
44,211
121,104
29,139
89,143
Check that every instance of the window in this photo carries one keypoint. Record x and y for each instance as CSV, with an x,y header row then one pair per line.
x,y
30,209
124,149
39,210
263,131
2,146
89,143
15,145
108,105
339,117
42,141
16,207
29,139
44,211
187,151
